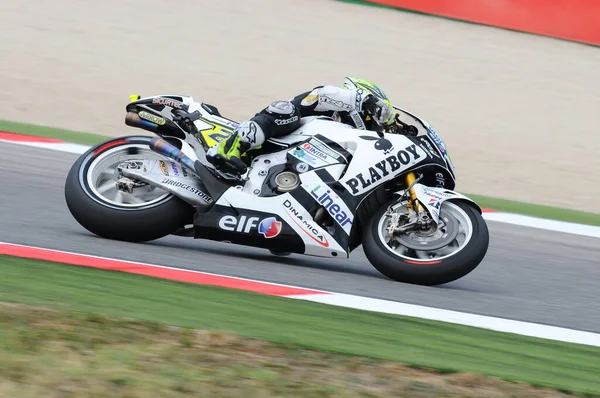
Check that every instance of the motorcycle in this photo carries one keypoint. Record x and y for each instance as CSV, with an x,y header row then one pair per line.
x,y
322,190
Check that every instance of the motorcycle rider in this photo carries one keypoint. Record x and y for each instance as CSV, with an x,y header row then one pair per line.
x,y
358,102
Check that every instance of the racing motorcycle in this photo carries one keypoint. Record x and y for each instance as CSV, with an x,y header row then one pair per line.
x,y
323,190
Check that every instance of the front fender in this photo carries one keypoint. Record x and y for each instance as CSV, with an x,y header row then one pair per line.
x,y
432,198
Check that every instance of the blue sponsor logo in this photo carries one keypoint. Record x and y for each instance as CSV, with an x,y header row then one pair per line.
x,y
329,202
305,157
436,138
315,152
175,169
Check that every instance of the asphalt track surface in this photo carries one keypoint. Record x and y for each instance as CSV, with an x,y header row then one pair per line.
x,y
528,275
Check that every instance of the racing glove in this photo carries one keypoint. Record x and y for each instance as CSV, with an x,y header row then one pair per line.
x,y
382,111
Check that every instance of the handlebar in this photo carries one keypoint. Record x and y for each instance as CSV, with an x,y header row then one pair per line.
x,y
399,127
186,120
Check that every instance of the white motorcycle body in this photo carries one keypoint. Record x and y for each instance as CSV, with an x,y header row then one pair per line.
x,y
310,192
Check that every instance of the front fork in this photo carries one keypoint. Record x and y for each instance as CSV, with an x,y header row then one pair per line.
x,y
409,181
417,215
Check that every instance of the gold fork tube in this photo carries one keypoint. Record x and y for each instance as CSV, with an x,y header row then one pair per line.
x,y
409,179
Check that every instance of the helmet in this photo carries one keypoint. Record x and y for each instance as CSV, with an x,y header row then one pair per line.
x,y
353,82
369,88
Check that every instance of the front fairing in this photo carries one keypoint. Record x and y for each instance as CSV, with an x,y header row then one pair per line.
x,y
435,137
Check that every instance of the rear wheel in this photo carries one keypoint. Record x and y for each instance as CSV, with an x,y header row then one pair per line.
x,y
432,257
92,196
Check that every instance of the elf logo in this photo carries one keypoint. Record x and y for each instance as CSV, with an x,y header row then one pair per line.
x,y
269,227
385,169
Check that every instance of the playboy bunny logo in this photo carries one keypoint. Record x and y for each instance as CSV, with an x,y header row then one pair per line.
x,y
381,144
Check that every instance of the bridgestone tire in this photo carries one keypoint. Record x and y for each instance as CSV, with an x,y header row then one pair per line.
x,y
104,219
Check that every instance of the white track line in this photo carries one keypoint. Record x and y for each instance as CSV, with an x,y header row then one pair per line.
x,y
55,146
391,307
542,223
506,218
460,318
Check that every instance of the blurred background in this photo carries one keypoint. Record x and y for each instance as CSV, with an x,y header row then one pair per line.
x,y
519,112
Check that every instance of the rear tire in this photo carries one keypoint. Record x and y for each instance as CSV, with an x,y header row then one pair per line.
x,y
104,217
434,271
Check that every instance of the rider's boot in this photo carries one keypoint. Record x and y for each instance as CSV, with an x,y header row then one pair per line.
x,y
227,155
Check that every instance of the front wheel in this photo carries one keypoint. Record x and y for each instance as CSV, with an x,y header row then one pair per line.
x,y
93,198
441,255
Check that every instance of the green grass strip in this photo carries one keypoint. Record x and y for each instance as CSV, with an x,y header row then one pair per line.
x,y
50,132
421,343
553,213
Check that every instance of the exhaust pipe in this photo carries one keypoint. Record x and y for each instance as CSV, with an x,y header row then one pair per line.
x,y
164,148
214,186
132,119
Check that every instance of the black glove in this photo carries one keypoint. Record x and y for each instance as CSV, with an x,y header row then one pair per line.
x,y
381,111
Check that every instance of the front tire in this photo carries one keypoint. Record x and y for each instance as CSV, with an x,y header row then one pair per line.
x,y
435,267
94,201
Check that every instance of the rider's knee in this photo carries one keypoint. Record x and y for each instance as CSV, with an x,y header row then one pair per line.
x,y
279,118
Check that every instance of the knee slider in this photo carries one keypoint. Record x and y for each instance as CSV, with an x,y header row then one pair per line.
x,y
251,134
282,116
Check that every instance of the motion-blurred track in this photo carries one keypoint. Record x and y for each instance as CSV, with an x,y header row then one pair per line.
x,y
529,274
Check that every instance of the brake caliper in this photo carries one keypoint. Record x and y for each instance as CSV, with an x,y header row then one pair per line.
x,y
126,184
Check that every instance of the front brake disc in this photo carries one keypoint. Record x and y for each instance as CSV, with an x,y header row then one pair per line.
x,y
442,237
